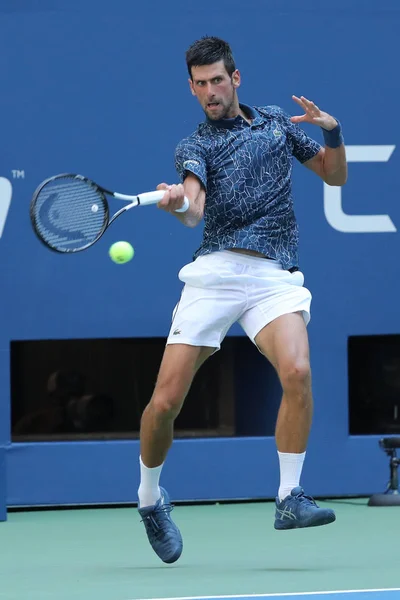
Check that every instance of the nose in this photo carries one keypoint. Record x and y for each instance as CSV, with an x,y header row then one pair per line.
x,y
210,91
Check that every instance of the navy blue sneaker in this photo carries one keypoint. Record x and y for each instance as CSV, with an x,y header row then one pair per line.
x,y
164,536
298,510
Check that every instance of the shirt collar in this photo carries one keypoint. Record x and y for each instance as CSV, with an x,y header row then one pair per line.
x,y
238,120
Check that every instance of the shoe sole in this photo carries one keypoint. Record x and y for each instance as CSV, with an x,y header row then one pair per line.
x,y
168,559
282,525
172,559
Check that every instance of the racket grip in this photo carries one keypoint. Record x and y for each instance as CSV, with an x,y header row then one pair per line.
x,y
151,197
154,197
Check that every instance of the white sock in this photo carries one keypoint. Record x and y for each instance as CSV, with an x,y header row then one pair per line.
x,y
290,466
149,491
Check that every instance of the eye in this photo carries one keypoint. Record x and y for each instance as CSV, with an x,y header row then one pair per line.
x,y
217,79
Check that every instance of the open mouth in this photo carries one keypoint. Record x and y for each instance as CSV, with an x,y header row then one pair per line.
x,y
212,105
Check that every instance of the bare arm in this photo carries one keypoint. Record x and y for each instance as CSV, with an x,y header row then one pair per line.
x,y
330,163
173,199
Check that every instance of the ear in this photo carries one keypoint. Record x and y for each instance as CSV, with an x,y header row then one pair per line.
x,y
191,87
236,78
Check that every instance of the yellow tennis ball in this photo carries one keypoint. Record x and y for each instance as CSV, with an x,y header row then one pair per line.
x,y
121,252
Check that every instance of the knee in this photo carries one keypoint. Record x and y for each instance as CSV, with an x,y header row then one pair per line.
x,y
167,399
296,377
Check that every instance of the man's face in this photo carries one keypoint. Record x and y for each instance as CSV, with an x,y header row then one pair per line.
x,y
215,90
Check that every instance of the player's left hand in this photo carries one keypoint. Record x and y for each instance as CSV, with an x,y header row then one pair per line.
x,y
313,114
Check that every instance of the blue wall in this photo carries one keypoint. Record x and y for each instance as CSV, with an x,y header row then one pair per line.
x,y
101,88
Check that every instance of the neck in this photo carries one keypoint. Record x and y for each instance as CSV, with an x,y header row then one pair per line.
x,y
245,117
236,110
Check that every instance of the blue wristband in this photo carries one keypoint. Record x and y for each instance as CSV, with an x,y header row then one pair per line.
x,y
334,137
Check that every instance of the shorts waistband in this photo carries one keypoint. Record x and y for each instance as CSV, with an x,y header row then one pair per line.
x,y
247,259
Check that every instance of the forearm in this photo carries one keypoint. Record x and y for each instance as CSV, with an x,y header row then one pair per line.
x,y
334,159
335,165
196,195
193,215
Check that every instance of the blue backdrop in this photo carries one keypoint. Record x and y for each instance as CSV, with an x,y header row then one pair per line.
x,y
100,88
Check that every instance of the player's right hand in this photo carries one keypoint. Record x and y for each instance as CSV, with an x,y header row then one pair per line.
x,y
173,197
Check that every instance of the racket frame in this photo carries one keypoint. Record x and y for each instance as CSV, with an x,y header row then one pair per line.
x,y
134,200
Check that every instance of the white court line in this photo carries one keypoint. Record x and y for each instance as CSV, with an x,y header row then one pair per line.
x,y
276,595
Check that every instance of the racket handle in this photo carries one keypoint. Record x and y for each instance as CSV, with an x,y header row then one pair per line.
x,y
154,197
151,197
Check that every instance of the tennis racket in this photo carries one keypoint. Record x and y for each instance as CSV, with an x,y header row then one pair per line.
x,y
70,213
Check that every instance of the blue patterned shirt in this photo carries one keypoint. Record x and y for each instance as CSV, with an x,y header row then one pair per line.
x,y
246,171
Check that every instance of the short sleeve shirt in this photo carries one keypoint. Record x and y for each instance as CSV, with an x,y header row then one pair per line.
x,y
246,170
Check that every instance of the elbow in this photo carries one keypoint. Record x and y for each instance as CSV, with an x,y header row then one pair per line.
x,y
197,216
337,180
191,223
193,220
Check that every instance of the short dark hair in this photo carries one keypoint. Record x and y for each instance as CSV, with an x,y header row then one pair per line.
x,y
207,51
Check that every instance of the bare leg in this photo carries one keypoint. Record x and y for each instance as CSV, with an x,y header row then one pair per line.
x,y
178,368
285,343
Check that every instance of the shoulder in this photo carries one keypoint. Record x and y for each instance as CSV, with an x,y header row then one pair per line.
x,y
292,130
197,141
273,111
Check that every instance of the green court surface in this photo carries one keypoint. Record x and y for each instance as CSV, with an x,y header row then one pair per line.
x,y
103,554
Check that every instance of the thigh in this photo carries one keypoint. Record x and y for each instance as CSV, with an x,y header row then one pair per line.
x,y
284,342
178,367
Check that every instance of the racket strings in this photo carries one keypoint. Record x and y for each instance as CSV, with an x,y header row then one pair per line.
x,y
70,214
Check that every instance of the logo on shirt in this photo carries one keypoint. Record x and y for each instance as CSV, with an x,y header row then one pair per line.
x,y
277,133
190,163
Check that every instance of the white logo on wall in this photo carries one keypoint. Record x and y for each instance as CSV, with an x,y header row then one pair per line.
x,y
6,191
333,209
5,201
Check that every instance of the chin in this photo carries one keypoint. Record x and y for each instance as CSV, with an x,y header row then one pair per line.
x,y
215,116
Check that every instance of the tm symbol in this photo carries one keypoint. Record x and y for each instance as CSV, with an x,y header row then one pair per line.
x,y
18,174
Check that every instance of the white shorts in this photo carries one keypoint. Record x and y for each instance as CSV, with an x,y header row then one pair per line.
x,y
225,287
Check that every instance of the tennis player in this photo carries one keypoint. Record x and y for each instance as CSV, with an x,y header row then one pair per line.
x,y
236,170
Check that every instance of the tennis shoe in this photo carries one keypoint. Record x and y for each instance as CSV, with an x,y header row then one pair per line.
x,y
298,510
163,535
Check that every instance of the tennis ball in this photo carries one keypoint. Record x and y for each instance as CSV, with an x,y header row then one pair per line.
x,y
121,252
